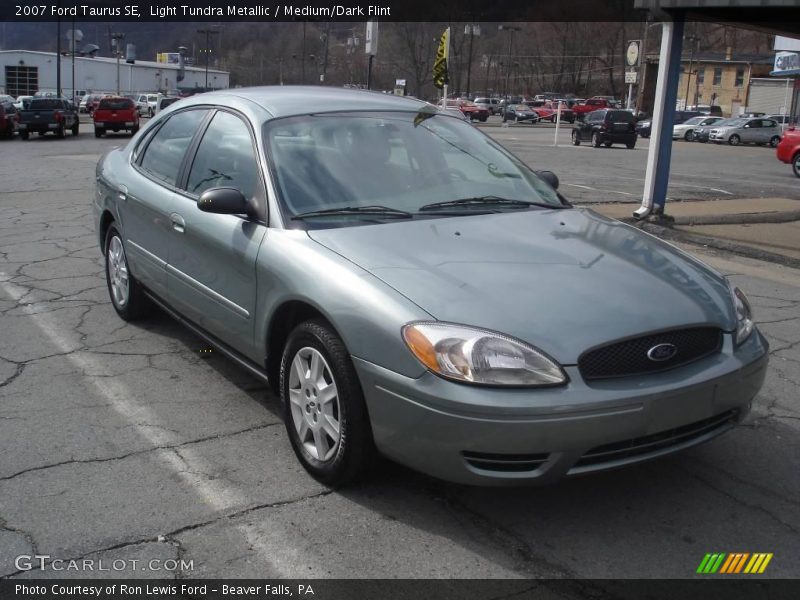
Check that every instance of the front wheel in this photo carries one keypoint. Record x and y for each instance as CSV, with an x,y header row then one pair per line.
x,y
127,295
734,140
576,140
61,132
325,414
98,132
796,164
630,145
76,129
774,141
689,136
596,140
24,135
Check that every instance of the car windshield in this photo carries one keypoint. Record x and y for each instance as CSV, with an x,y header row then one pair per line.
x,y
520,107
398,161
695,121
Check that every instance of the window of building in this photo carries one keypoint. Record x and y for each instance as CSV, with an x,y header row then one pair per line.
x,y
701,76
22,81
717,75
739,76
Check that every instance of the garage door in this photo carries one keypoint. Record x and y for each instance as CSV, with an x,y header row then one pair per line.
x,y
770,96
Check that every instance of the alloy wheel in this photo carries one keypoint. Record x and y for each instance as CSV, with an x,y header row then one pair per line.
x,y
118,272
314,404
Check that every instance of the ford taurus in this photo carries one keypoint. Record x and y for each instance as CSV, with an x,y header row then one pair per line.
x,y
411,289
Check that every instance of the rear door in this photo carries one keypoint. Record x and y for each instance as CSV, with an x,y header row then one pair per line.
x,y
147,196
212,260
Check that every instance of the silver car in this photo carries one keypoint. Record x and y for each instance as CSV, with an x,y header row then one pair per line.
x,y
758,130
686,129
411,289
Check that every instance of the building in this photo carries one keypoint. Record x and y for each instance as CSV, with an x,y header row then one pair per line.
x,y
25,72
783,88
714,78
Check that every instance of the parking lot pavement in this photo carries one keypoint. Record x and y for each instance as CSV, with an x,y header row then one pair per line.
x,y
131,441
616,174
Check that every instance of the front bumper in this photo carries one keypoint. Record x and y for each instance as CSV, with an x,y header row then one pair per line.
x,y
493,436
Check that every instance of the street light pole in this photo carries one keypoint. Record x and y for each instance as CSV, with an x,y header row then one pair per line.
x,y
691,39
116,40
473,31
511,29
208,33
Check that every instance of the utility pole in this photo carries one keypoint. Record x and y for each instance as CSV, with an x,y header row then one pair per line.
x,y
208,33
472,30
691,39
116,43
303,59
327,35
58,54
510,29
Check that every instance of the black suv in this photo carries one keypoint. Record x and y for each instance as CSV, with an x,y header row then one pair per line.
x,y
606,127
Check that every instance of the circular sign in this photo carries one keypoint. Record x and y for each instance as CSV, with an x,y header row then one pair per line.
x,y
632,55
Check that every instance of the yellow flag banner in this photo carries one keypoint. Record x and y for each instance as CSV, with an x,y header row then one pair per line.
x,y
440,77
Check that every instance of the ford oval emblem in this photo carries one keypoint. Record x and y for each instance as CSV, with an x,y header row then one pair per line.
x,y
662,352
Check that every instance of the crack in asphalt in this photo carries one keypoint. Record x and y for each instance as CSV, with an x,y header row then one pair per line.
x,y
139,452
172,535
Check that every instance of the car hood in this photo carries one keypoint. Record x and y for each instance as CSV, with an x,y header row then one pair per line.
x,y
562,280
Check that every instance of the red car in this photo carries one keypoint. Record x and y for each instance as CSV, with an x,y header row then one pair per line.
x,y
470,110
591,105
115,114
788,149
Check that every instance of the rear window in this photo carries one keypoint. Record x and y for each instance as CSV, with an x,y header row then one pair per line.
x,y
115,104
620,116
46,104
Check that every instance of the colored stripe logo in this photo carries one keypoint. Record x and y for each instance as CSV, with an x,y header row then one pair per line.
x,y
734,563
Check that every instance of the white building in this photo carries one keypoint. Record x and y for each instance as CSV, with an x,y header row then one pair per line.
x,y
25,72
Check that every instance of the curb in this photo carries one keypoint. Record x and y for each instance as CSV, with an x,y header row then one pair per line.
x,y
782,216
669,233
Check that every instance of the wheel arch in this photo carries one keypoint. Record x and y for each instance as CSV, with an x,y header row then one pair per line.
x,y
285,318
106,220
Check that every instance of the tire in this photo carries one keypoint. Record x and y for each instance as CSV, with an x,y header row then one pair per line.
x,y
596,140
483,119
630,145
334,462
774,141
689,136
61,132
796,164
734,140
150,112
134,131
576,140
607,144
76,129
98,132
25,135
127,295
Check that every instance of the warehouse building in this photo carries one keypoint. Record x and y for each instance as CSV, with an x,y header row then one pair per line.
x,y
25,72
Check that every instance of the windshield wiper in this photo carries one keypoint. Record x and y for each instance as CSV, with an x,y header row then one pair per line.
x,y
383,211
487,201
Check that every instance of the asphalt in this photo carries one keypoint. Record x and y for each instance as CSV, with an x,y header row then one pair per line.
x,y
127,440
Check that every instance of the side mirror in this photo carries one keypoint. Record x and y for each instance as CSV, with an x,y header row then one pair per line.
x,y
549,177
224,201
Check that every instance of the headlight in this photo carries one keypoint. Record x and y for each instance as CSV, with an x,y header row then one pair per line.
x,y
744,314
478,356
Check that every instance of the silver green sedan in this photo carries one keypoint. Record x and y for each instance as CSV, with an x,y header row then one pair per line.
x,y
411,289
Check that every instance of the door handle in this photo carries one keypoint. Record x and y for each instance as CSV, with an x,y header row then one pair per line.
x,y
122,192
178,224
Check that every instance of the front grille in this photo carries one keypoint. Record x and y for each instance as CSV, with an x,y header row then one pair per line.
x,y
629,357
505,463
657,441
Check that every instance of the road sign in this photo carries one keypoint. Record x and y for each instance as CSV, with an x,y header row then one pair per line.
x,y
632,55
630,77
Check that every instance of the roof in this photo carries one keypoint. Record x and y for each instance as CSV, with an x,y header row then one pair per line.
x,y
289,100
107,59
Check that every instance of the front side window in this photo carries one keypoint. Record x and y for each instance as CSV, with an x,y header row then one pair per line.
x,y
405,162
165,152
225,158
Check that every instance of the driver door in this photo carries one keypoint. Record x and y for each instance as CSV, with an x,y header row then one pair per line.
x,y
211,274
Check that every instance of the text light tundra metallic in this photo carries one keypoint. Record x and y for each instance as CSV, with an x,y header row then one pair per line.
x,y
412,289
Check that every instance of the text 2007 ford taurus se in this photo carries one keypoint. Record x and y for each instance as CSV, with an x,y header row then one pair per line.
x,y
411,289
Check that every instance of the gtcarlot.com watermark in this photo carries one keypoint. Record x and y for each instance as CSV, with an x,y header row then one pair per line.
x,y
44,562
